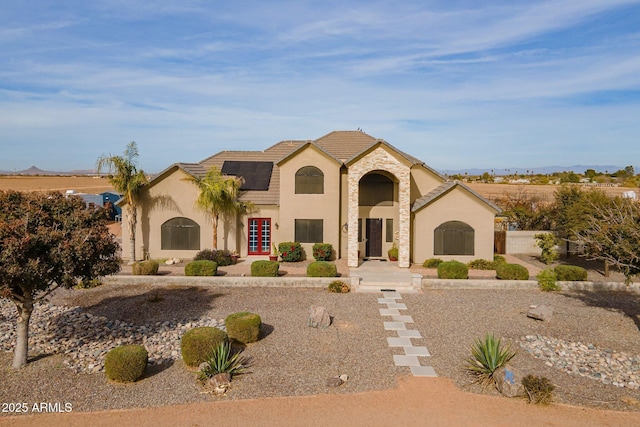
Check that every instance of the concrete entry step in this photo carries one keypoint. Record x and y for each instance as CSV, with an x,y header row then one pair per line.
x,y
376,276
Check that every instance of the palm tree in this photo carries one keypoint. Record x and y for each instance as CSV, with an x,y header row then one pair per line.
x,y
126,180
219,197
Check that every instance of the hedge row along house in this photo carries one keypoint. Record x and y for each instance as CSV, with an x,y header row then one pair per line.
x,y
347,188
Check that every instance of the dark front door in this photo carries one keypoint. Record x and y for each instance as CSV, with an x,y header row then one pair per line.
x,y
259,236
374,237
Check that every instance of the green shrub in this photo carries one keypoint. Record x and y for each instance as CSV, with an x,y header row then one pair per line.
x,y
205,254
223,360
126,363
570,273
547,280
338,287
145,268
499,259
322,269
88,284
508,271
453,270
322,251
221,257
243,327
487,356
290,251
197,343
547,242
482,264
264,268
539,390
201,268
432,263
393,252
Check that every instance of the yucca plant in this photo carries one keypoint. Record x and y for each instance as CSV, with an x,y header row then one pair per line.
x,y
487,356
223,360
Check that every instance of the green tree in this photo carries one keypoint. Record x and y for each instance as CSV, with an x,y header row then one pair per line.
x,y
528,211
486,177
574,207
128,181
219,197
49,241
612,235
590,173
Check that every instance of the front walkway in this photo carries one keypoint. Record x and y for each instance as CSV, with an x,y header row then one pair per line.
x,y
378,275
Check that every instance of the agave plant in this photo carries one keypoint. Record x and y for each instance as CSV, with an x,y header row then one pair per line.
x,y
223,360
487,356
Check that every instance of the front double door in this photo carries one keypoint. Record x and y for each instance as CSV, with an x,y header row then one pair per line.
x,y
259,236
373,231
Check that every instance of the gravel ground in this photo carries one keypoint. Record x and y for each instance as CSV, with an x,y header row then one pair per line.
x,y
293,359
450,321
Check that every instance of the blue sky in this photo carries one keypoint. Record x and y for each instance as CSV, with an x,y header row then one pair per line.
x,y
458,84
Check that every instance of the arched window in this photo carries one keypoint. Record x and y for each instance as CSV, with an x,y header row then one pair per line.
x,y
180,234
454,238
376,190
309,180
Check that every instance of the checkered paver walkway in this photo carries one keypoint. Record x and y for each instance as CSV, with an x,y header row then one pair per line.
x,y
395,310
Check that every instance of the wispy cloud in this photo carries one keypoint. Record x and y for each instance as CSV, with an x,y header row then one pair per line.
x,y
505,82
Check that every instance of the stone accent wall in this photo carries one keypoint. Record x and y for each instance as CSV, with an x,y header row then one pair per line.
x,y
380,159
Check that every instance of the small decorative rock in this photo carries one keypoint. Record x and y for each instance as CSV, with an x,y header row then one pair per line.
x,y
334,382
541,312
318,317
508,381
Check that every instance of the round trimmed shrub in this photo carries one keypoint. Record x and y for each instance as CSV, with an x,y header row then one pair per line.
x,y
265,268
453,270
126,363
338,287
201,268
432,263
322,251
547,280
508,271
243,327
322,269
145,268
290,251
197,343
570,273
223,258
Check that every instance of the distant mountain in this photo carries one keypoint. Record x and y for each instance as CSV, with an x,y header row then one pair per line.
x,y
33,170
536,170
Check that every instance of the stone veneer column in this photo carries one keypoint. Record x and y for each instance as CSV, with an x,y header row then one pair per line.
x,y
379,159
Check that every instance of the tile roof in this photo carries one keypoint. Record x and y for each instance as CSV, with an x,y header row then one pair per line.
x,y
443,189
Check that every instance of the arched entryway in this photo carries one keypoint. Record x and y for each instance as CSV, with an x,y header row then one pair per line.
x,y
372,208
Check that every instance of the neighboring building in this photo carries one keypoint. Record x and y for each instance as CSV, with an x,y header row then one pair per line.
x,y
346,188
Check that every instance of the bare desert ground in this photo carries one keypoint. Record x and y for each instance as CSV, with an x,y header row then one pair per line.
x,y
81,184
94,185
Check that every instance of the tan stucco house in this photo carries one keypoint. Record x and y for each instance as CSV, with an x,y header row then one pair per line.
x,y
347,188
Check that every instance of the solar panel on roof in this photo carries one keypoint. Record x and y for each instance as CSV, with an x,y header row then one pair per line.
x,y
256,175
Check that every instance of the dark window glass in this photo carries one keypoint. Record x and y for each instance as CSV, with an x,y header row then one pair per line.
x,y
376,190
309,180
389,229
359,229
454,238
309,230
180,234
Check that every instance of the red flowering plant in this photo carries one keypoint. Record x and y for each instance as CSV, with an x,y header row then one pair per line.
x,y
290,251
322,251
